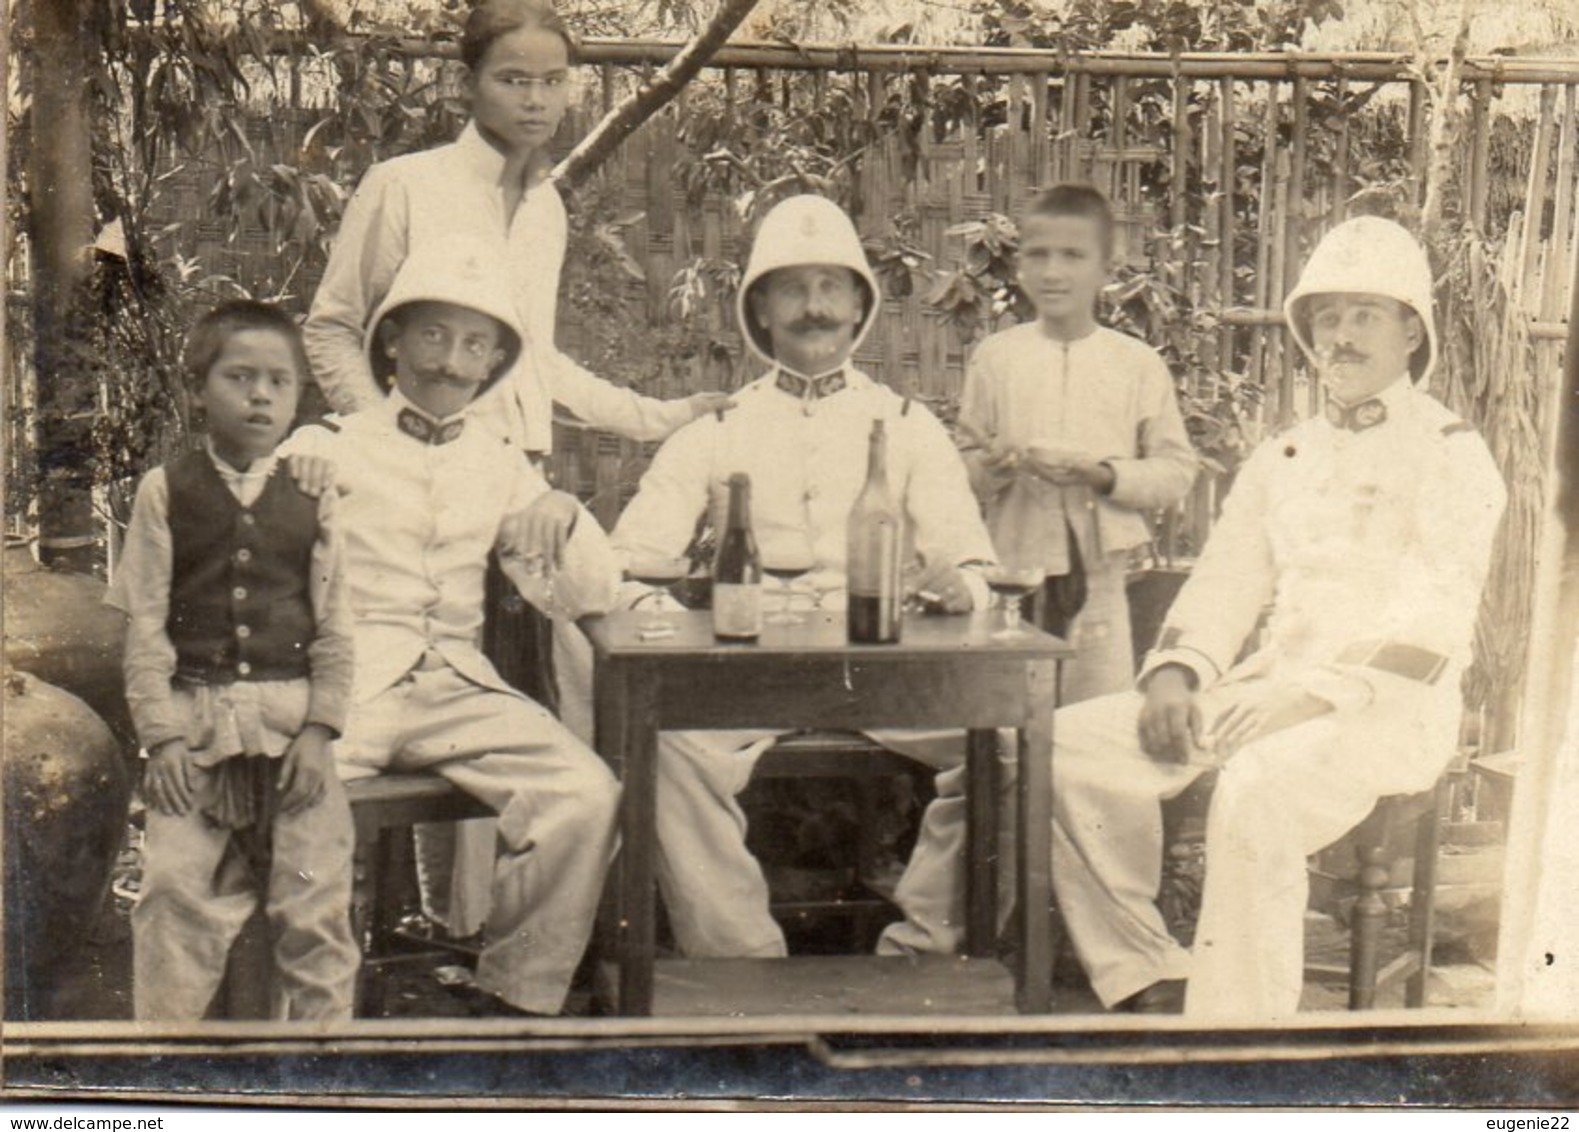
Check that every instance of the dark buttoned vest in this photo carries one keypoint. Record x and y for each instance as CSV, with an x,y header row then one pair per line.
x,y
240,607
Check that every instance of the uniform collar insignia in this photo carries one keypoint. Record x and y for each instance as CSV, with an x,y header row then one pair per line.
x,y
810,388
1357,418
419,427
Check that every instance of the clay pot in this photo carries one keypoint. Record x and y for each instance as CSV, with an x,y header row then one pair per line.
x,y
66,790
58,628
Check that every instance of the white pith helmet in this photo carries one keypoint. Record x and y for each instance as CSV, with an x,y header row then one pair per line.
x,y
804,231
1368,255
463,271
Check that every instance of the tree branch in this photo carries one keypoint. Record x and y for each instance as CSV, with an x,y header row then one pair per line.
x,y
618,125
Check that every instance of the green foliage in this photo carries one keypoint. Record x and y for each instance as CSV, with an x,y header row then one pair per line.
x,y
1167,26
177,91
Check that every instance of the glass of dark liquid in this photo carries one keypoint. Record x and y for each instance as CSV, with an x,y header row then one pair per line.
x,y
663,574
788,564
1012,584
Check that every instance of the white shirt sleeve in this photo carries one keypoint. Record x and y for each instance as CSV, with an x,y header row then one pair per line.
x,y
367,253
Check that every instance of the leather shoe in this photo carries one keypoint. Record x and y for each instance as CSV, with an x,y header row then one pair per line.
x,y
1163,997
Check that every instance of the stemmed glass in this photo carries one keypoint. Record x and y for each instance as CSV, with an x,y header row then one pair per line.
x,y
787,560
1012,582
663,574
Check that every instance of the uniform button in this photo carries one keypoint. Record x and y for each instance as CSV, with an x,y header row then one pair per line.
x,y
243,555
239,593
244,669
249,520
243,631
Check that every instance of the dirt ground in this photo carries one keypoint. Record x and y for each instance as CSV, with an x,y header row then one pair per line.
x,y
95,983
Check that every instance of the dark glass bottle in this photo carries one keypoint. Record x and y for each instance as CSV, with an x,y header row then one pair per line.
x,y
737,570
875,537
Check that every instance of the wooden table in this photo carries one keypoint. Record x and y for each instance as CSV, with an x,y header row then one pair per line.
x,y
947,672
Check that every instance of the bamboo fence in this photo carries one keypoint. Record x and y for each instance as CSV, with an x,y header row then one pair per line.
x,y
1223,169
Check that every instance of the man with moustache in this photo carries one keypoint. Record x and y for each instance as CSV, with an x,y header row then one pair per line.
x,y
1366,533
806,300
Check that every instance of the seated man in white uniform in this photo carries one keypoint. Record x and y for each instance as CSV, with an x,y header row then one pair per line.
x,y
428,491
1367,533
800,432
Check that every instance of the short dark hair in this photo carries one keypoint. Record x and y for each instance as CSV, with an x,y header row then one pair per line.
x,y
1076,198
492,20
209,334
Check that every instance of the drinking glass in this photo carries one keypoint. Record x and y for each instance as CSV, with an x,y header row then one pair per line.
x,y
1012,583
788,561
663,574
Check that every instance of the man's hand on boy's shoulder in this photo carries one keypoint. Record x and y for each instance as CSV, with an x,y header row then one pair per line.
x,y
709,401
305,769
167,779
312,474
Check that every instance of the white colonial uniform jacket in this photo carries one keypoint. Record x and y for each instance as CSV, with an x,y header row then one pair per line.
x,y
806,457
1367,552
416,570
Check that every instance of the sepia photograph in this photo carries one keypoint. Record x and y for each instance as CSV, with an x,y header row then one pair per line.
x,y
885,555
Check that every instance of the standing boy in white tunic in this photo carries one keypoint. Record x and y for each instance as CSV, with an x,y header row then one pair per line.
x,y
427,494
800,432
1078,435
1367,532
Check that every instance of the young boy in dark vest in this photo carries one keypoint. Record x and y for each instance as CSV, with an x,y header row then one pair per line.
x,y
238,670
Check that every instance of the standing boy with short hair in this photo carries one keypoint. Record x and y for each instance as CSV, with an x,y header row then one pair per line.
x,y
238,674
1077,435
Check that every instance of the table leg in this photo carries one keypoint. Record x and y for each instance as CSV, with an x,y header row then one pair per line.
x,y
981,843
1033,846
628,740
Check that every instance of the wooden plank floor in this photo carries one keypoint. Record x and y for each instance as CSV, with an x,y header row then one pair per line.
x,y
828,984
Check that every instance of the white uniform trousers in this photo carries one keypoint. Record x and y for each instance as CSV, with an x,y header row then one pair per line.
x,y
931,892
198,892
455,859
556,802
1276,801
714,889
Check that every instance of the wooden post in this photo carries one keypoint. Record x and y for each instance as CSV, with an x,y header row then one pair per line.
x,y
1082,125
61,223
1227,178
1178,190
1340,162
1480,147
1419,143
1294,229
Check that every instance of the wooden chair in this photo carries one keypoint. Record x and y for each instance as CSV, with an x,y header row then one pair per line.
x,y
1399,825
383,809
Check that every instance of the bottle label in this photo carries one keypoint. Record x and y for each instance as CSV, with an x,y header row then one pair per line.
x,y
737,610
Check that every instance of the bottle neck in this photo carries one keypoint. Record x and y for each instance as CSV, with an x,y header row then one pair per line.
x,y
877,460
739,517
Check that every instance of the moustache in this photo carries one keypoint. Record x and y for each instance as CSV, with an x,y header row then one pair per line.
x,y
442,376
814,322
1342,355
